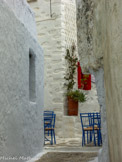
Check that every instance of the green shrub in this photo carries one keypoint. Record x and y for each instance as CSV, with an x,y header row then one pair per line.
x,y
77,95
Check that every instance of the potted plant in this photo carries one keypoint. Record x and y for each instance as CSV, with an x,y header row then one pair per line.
x,y
73,96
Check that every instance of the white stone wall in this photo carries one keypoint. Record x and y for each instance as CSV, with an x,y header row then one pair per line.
x,y
21,121
68,35
70,29
50,38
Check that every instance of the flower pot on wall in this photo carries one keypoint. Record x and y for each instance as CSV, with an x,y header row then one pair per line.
x,y
72,107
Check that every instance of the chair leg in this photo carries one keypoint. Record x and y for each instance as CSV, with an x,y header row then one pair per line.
x,y
90,136
51,137
54,136
100,137
83,138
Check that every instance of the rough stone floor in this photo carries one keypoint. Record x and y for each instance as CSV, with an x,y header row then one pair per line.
x,y
69,150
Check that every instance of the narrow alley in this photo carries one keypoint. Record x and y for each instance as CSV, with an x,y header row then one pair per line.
x,y
60,81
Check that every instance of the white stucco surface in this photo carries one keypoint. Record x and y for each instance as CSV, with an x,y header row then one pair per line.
x,y
113,77
24,13
21,121
99,38
99,77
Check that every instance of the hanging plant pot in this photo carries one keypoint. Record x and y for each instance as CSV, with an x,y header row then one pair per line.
x,y
72,107
84,80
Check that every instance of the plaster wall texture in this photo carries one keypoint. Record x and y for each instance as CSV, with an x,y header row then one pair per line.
x,y
99,76
21,121
103,38
55,34
24,13
91,36
91,42
113,77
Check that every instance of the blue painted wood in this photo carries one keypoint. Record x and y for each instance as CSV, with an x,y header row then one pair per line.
x,y
91,126
49,127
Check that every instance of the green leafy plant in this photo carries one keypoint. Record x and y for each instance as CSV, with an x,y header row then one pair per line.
x,y
77,95
72,60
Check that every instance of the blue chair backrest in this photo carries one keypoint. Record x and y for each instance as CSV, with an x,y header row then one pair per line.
x,y
48,112
88,119
49,117
97,119
84,119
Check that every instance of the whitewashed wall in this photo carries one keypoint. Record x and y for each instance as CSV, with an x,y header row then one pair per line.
x,y
24,13
91,25
21,121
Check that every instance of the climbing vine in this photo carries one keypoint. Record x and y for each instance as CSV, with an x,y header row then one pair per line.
x,y
71,59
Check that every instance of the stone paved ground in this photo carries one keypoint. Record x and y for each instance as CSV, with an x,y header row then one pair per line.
x,y
69,150
67,157
70,144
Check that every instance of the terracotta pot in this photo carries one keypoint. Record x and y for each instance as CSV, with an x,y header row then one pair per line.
x,y
72,107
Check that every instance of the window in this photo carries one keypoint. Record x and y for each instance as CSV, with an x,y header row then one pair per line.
x,y
32,77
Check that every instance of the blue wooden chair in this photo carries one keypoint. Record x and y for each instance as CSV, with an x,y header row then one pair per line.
x,y
48,112
96,122
86,128
48,115
49,126
91,126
